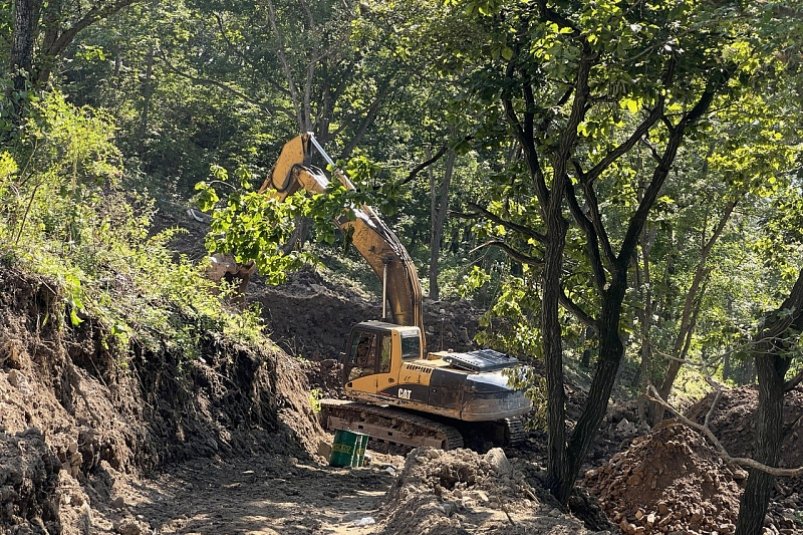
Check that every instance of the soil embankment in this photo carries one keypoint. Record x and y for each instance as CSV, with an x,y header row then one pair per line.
x,y
76,414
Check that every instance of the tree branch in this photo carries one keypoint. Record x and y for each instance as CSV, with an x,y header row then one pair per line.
x,y
717,81
513,253
527,231
652,395
629,143
245,58
592,242
596,220
527,144
294,97
95,14
210,82
583,316
792,383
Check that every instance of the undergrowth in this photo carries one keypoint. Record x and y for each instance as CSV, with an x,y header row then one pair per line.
x,y
66,215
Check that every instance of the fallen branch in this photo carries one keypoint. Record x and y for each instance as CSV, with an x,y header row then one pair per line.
x,y
652,395
711,409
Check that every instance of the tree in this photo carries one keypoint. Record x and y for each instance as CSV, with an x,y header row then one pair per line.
x,y
582,88
777,343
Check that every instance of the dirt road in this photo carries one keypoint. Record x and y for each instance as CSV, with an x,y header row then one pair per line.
x,y
250,496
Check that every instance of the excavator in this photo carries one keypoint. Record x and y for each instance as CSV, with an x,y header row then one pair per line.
x,y
400,393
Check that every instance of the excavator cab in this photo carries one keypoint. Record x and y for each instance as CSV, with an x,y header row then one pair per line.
x,y
378,348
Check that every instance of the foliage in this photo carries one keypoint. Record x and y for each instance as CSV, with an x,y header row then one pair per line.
x,y
67,217
258,228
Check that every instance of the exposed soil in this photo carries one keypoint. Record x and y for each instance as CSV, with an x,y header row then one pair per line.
x,y
733,422
310,316
461,492
267,494
72,411
673,481
95,442
669,481
154,443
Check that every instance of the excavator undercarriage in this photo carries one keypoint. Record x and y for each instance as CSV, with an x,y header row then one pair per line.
x,y
405,429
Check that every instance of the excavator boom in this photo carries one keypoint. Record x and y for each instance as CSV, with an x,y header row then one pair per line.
x,y
372,238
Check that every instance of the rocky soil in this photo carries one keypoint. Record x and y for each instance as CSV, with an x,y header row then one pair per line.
x,y
669,481
733,422
673,481
461,492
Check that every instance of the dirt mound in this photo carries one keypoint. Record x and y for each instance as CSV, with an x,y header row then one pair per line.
x,y
733,422
668,481
461,491
28,479
73,411
312,316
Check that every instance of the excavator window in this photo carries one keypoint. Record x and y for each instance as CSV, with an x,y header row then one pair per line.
x,y
384,357
370,353
411,346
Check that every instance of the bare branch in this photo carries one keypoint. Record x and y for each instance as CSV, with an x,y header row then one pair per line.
x,y
513,253
423,165
297,104
245,58
712,408
569,304
592,242
652,395
528,145
640,131
211,82
792,383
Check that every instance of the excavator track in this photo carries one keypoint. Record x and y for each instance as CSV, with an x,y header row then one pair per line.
x,y
515,431
389,425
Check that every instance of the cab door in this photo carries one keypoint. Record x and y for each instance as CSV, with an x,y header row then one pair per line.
x,y
369,360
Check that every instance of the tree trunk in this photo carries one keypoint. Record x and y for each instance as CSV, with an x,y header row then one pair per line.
x,y
147,94
26,17
691,306
772,362
611,351
769,437
558,469
642,377
440,207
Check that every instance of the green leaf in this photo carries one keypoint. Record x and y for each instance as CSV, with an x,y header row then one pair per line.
x,y
74,319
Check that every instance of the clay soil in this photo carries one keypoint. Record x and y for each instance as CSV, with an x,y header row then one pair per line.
x,y
74,415
672,480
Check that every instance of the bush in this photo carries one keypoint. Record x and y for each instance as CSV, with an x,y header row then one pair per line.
x,y
66,215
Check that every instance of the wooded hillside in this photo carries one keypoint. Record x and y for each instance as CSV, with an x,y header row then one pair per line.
x,y
616,187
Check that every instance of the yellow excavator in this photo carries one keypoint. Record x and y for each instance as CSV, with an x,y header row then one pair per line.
x,y
400,393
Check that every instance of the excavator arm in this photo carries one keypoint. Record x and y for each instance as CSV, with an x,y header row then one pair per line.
x,y
372,238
